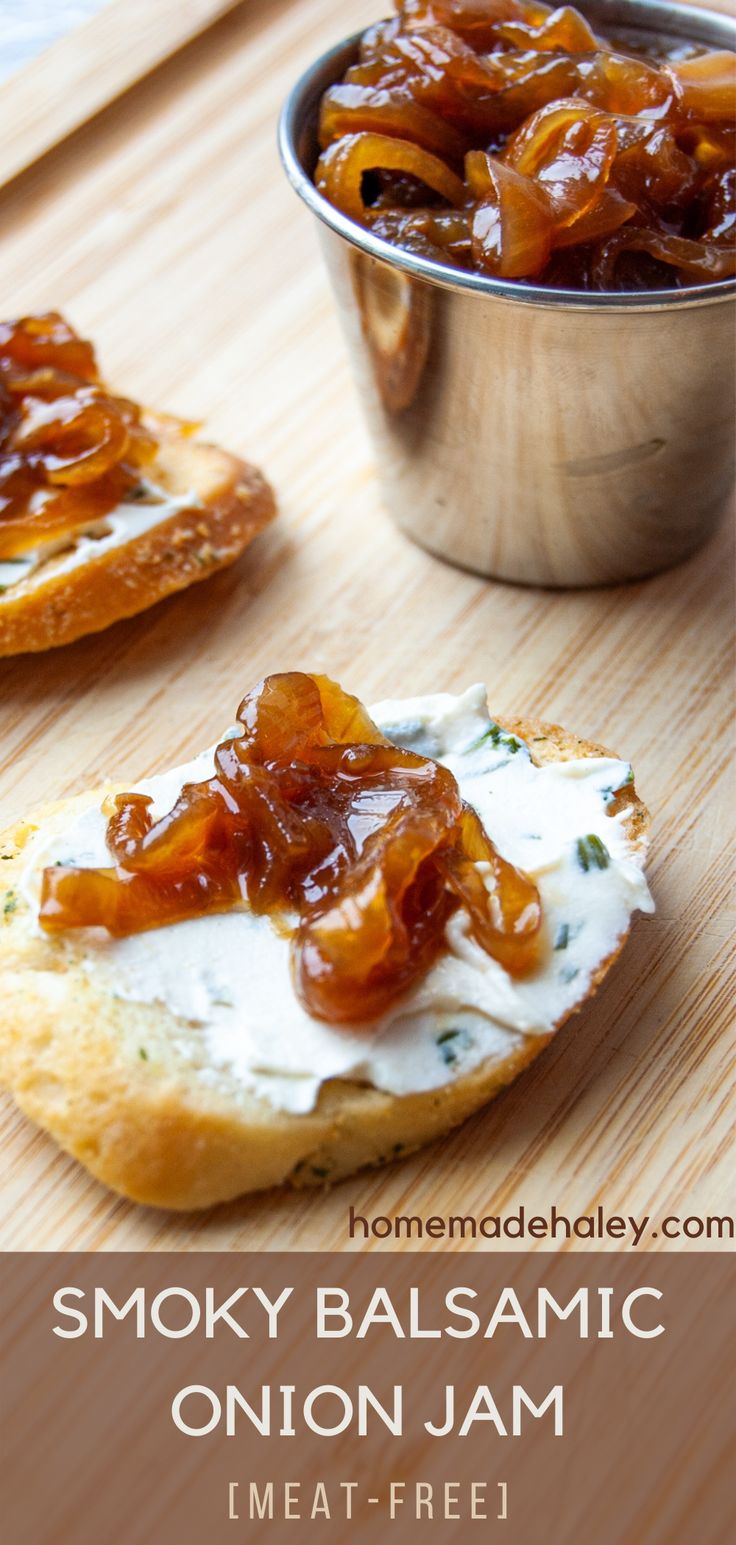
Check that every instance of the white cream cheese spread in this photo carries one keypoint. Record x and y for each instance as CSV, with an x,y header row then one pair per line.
x,y
125,523
227,977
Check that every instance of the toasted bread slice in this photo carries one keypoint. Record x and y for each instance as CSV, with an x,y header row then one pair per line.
x,y
221,503
108,1080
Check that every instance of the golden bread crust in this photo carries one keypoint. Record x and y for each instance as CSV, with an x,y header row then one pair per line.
x,y
235,503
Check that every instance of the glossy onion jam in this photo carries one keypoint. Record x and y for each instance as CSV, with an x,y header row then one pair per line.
x,y
69,452
508,138
359,849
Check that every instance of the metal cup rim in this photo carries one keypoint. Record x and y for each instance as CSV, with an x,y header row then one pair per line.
x,y
302,99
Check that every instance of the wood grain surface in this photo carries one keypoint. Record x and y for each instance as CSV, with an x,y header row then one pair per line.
x,y
89,67
166,231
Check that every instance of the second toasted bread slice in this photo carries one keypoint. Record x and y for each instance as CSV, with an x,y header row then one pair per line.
x,y
185,511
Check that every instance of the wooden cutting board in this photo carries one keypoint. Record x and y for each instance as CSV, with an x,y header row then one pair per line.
x,y
165,229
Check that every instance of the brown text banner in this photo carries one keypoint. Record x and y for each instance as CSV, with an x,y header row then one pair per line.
x,y
247,1397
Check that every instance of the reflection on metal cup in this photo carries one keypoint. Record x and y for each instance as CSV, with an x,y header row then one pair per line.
x,y
536,435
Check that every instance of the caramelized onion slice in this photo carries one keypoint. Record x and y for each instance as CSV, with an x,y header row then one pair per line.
x,y
568,148
363,850
354,109
606,216
565,30
69,451
656,170
340,171
64,513
74,439
703,260
708,86
36,341
512,224
474,20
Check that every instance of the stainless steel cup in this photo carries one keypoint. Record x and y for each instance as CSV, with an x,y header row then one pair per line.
x,y
547,437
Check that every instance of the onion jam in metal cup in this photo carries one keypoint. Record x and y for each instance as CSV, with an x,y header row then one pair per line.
x,y
547,436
